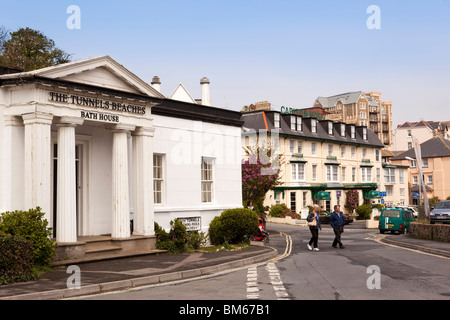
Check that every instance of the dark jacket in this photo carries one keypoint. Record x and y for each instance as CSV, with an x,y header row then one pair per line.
x,y
337,219
310,219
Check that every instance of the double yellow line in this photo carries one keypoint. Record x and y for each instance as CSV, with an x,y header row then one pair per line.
x,y
287,251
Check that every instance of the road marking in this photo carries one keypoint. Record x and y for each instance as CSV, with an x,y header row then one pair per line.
x,y
252,283
287,250
275,280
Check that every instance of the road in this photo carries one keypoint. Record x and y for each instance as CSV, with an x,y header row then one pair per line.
x,y
364,270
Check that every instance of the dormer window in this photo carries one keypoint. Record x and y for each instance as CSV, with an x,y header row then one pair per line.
x,y
296,123
299,123
342,130
352,132
365,133
276,120
330,127
313,125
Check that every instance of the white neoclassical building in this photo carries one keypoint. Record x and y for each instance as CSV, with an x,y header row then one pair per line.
x,y
96,147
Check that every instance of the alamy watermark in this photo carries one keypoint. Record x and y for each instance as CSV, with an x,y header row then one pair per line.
x,y
74,281
374,280
73,22
374,20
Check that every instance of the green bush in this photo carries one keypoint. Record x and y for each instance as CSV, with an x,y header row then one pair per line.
x,y
196,239
232,226
279,210
16,259
31,226
363,212
175,240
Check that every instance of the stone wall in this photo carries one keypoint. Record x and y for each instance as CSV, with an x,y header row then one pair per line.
x,y
439,232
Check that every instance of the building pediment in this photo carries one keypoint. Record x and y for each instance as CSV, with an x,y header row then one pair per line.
x,y
100,71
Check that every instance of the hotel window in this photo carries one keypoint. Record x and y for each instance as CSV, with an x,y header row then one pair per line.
x,y
353,152
402,192
353,174
430,179
352,132
304,198
364,133
158,178
293,202
389,175
207,179
342,130
313,125
415,180
291,146
299,147
413,163
299,123
390,191
342,152
425,162
330,150
409,145
401,178
276,120
378,175
313,148
332,173
377,155
298,171
409,133
294,124
330,128
314,172
364,153
366,174
343,174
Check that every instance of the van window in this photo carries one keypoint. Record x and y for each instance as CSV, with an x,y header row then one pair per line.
x,y
391,213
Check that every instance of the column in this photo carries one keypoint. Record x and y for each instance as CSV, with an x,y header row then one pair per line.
x,y
120,182
66,206
143,216
37,161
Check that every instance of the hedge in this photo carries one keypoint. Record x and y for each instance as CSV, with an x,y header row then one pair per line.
x,y
232,226
16,260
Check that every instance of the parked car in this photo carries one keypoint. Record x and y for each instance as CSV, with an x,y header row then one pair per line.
x,y
324,217
441,213
395,220
412,209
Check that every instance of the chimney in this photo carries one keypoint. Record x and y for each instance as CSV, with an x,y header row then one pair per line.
x,y
156,83
206,98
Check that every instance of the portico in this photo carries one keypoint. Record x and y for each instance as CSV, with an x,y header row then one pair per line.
x,y
87,150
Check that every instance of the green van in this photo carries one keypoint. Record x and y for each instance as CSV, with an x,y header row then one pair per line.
x,y
395,220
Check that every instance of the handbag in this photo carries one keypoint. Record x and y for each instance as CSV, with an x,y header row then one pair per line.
x,y
312,223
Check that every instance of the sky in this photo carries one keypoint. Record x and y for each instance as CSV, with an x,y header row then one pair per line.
x,y
287,52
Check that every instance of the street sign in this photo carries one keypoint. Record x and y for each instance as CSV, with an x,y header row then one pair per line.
x,y
382,193
382,201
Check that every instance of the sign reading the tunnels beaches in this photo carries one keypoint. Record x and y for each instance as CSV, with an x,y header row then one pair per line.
x,y
97,103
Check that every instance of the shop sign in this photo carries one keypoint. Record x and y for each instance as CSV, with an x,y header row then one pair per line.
x,y
192,223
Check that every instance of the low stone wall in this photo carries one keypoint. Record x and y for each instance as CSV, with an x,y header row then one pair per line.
x,y
439,232
287,220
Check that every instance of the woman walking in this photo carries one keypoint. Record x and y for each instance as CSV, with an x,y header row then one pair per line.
x,y
314,227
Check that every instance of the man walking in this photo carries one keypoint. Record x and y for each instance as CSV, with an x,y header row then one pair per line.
x,y
337,223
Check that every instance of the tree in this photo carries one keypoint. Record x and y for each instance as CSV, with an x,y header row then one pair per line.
x,y
28,49
352,200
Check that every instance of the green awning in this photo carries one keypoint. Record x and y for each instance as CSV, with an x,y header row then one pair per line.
x,y
321,195
372,194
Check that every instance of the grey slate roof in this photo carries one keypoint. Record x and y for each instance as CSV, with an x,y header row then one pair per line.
x,y
345,98
255,120
433,148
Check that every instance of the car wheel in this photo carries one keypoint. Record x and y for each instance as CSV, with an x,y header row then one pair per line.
x,y
382,231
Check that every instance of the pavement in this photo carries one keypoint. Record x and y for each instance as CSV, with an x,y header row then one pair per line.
x,y
131,272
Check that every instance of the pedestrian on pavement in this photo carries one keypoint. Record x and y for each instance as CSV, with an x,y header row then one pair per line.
x,y
337,223
250,205
313,218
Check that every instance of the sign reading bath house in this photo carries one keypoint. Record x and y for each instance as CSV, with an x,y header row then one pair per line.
x,y
97,103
